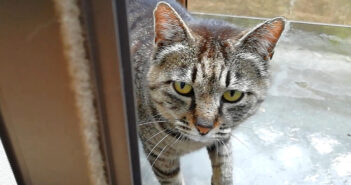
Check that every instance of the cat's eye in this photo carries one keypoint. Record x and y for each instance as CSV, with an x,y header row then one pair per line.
x,y
183,88
233,96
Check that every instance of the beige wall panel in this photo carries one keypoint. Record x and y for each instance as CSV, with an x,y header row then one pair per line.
x,y
36,99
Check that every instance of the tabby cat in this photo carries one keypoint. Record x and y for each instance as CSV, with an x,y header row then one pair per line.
x,y
196,80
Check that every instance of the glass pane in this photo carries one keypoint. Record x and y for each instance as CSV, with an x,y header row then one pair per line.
x,y
325,11
299,135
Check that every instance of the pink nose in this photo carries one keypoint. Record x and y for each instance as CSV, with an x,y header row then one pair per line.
x,y
203,130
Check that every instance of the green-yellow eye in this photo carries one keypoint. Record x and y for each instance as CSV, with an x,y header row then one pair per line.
x,y
182,88
232,96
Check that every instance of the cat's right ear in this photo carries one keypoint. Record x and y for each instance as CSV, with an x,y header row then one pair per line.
x,y
264,37
169,26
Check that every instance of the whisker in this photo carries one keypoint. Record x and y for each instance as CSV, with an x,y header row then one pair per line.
x,y
221,133
156,146
143,175
158,117
182,127
181,124
163,150
151,122
239,140
186,132
155,135
226,148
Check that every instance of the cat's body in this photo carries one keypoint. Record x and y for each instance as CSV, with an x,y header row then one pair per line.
x,y
195,81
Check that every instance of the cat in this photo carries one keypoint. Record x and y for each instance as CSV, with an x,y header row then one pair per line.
x,y
196,80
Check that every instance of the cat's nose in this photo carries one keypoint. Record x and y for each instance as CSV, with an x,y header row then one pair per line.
x,y
203,126
203,130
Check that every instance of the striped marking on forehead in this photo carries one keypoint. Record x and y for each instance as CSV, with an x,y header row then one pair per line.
x,y
214,38
212,57
211,48
209,73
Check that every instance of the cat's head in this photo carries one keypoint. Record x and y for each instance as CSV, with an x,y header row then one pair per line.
x,y
206,77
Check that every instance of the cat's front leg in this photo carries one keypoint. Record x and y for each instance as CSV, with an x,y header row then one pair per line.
x,y
166,170
221,159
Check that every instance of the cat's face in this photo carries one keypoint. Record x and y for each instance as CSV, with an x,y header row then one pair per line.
x,y
207,77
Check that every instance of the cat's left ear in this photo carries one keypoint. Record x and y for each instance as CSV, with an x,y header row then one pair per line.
x,y
169,26
263,38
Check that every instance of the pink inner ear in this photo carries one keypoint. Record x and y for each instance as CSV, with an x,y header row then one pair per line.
x,y
165,20
275,28
161,12
264,37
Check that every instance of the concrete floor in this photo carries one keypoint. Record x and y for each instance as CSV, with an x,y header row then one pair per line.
x,y
302,133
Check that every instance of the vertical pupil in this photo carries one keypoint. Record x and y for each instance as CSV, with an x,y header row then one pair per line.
x,y
182,84
232,93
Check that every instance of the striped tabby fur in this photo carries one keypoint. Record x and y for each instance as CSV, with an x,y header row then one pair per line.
x,y
168,45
